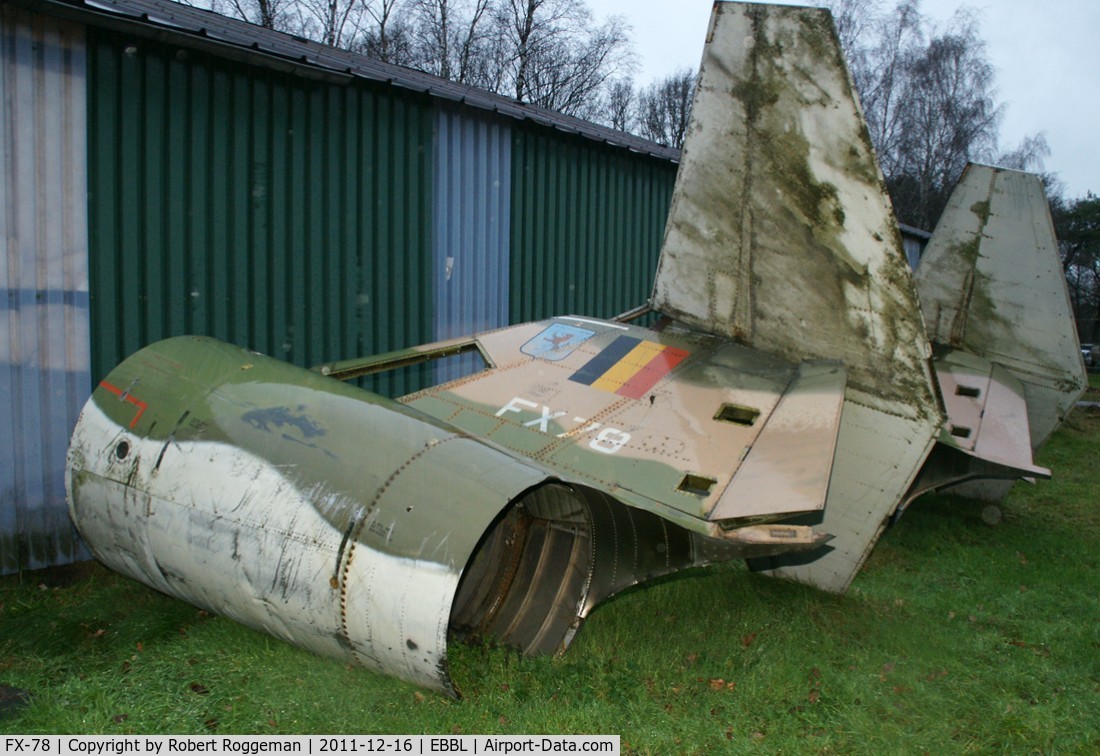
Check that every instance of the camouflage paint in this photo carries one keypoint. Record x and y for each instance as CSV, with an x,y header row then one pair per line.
x,y
288,501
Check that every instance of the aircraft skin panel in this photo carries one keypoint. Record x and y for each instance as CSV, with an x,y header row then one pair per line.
x,y
991,283
662,420
788,468
780,234
877,456
290,502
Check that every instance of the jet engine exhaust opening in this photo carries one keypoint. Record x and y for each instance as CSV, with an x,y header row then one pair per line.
x,y
529,574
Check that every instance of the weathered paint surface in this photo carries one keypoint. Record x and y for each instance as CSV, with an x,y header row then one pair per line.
x,y
245,485
360,528
780,233
781,236
663,421
991,283
588,455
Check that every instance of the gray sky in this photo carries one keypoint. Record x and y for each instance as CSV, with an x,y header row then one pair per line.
x,y
1045,51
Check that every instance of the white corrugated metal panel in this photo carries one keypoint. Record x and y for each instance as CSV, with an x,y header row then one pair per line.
x,y
44,355
472,189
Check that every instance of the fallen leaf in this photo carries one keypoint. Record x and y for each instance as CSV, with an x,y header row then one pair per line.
x,y
758,736
418,696
746,640
140,647
717,684
120,718
202,690
272,723
503,720
815,674
814,696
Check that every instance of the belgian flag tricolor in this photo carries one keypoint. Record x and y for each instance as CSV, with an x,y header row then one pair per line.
x,y
629,366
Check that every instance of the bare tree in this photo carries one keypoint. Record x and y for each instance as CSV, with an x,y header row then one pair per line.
x,y
664,108
280,15
557,57
332,22
387,35
451,37
928,96
880,71
620,106
948,116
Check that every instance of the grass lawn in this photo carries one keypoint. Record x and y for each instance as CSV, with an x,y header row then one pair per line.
x,y
956,637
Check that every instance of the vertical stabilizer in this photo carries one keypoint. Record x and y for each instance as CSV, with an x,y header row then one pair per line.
x,y
991,283
780,233
781,236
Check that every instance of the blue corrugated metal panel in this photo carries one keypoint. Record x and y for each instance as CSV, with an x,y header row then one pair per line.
x,y
286,215
471,235
913,241
44,365
587,225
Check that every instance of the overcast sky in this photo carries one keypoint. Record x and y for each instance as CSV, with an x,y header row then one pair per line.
x,y
1046,53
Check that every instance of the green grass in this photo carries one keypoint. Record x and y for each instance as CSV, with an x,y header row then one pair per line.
x,y
957,637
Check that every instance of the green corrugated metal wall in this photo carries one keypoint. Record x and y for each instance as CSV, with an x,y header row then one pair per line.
x,y
587,225
287,215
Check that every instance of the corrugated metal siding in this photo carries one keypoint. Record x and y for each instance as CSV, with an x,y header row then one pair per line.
x,y
471,234
289,216
44,365
914,248
587,225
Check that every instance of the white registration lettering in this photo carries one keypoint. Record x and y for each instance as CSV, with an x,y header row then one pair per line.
x,y
516,406
544,422
609,440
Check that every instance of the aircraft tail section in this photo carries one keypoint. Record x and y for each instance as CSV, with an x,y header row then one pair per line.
x,y
781,236
780,233
991,284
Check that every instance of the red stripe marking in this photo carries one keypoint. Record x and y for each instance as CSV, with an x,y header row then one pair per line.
x,y
654,370
142,406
